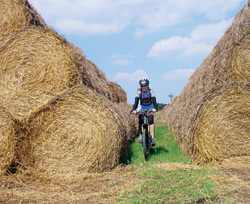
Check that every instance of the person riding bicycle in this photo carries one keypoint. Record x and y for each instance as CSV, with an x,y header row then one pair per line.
x,y
147,100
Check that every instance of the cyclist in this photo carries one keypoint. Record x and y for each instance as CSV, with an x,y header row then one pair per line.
x,y
147,100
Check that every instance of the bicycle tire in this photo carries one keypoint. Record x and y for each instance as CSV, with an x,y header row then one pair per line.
x,y
145,143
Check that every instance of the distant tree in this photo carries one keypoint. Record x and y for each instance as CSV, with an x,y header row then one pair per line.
x,y
161,106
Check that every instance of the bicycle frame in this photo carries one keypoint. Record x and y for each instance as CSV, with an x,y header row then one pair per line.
x,y
146,143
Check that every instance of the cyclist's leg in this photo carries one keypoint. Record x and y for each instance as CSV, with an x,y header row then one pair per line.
x,y
140,127
151,125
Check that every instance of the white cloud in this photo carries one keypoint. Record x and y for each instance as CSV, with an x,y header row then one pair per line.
x,y
210,32
177,75
201,41
135,76
178,46
83,29
84,17
122,60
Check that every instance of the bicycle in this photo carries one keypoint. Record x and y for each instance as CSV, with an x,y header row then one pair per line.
x,y
146,137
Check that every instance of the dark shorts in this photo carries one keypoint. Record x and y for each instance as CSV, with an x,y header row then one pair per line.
x,y
150,119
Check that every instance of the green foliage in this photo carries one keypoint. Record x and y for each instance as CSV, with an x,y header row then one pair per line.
x,y
161,106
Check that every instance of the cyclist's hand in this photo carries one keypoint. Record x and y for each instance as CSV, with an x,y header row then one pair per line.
x,y
154,110
133,111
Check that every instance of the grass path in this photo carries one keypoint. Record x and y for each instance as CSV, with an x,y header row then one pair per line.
x,y
168,176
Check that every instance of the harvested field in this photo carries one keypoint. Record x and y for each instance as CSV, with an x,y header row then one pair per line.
x,y
234,178
78,188
210,116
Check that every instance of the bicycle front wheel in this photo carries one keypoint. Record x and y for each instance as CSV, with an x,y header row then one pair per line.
x,y
145,143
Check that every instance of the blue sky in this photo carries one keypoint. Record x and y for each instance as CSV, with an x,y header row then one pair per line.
x,y
163,40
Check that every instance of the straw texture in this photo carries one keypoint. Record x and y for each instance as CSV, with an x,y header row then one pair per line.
x,y
36,66
79,132
15,15
118,95
7,140
220,84
57,111
222,129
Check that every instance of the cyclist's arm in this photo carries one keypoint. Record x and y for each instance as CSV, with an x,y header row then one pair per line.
x,y
155,103
136,103
137,98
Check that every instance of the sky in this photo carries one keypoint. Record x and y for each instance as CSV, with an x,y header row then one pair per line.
x,y
162,40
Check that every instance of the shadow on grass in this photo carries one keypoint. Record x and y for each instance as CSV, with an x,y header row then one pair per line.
x,y
153,151
157,150
127,159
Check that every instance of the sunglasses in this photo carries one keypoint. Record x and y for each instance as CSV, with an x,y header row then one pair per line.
x,y
144,85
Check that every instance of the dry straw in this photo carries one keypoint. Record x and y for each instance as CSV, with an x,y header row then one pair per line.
x,y
227,64
15,15
118,95
36,66
95,78
222,129
7,140
60,126
79,132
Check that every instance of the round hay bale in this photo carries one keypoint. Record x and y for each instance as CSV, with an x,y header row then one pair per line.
x,y
7,140
15,15
227,63
222,129
240,61
132,121
36,66
94,77
118,95
80,132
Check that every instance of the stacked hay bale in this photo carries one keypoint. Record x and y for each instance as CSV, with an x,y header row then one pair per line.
x,y
79,132
7,140
50,121
211,116
36,66
118,95
15,15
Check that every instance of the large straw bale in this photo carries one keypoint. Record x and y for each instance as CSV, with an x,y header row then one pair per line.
x,y
118,95
222,129
81,131
61,126
240,61
7,140
93,77
36,66
125,110
227,63
15,15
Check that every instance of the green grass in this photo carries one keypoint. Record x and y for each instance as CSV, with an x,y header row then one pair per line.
x,y
166,150
161,186
180,186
